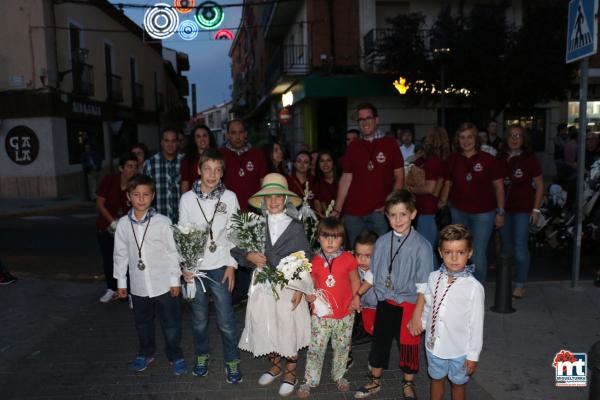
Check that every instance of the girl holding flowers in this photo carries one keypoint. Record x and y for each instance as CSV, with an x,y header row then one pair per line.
x,y
277,324
335,274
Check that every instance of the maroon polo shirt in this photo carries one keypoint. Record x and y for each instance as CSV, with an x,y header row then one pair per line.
x,y
243,173
472,188
519,172
116,199
295,186
369,188
427,204
189,168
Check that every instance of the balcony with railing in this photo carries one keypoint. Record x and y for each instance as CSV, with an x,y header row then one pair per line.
x,y
83,79
137,95
375,38
114,88
288,60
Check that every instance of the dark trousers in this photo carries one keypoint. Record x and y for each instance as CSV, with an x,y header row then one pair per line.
x,y
107,245
243,276
168,310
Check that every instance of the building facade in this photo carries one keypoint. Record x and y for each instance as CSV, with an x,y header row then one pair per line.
x,y
73,74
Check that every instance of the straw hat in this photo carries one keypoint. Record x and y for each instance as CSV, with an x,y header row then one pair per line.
x,y
274,184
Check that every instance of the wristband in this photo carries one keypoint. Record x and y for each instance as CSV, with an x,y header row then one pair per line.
x,y
536,210
500,211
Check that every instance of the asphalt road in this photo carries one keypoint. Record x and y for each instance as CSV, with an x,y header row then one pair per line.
x,y
63,245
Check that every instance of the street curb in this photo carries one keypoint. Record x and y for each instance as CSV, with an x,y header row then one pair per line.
x,y
45,210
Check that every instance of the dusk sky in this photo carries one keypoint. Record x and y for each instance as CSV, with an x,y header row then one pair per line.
x,y
209,60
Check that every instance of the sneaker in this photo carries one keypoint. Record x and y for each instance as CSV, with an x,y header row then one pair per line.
x,y
232,369
6,278
108,296
201,367
141,363
179,367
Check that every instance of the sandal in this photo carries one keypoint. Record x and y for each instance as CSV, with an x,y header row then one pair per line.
x,y
411,386
269,377
287,386
343,385
370,388
303,391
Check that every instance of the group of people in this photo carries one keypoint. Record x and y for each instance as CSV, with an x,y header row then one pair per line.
x,y
393,278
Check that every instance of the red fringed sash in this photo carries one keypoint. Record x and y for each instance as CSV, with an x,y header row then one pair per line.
x,y
409,344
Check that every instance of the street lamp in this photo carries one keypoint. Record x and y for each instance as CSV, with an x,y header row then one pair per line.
x,y
440,53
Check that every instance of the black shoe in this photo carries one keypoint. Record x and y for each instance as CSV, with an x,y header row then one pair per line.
x,y
6,278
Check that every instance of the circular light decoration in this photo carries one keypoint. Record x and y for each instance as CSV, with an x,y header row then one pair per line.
x,y
161,21
184,6
188,30
223,34
209,15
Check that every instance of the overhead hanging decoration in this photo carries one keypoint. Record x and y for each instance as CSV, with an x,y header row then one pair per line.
x,y
184,6
161,21
209,15
188,29
223,34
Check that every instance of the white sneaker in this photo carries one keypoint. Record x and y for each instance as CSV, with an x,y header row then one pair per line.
x,y
287,388
130,300
108,296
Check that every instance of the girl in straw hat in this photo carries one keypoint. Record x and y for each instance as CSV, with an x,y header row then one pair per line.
x,y
276,328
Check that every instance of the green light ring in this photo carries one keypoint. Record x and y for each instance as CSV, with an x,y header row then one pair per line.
x,y
209,23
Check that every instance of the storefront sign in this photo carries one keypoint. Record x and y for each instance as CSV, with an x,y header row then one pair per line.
x,y
87,109
22,145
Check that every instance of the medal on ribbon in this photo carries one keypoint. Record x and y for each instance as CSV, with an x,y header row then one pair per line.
x,y
330,282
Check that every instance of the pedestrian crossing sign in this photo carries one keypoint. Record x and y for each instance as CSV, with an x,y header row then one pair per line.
x,y
582,30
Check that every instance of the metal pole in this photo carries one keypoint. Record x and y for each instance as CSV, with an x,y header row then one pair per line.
x,y
443,98
583,90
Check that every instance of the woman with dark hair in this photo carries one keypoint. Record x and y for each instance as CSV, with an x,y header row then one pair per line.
x,y
112,204
430,167
203,139
275,158
473,186
325,185
141,152
300,176
524,187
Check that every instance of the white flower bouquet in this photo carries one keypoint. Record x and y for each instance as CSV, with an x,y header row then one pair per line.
x,y
292,271
247,231
309,218
191,243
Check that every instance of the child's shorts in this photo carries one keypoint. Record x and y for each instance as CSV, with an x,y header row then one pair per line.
x,y
453,368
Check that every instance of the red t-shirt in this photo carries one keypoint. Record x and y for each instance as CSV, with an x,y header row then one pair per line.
x,y
519,172
295,186
325,191
341,266
243,173
116,199
369,188
189,169
472,188
427,204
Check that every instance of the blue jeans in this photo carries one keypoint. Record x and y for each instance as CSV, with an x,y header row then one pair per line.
x,y
427,227
168,310
515,236
225,316
481,226
376,222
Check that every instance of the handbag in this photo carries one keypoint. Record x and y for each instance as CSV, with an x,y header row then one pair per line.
x,y
443,217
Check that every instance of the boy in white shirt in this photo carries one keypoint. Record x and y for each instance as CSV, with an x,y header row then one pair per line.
x,y
210,206
453,315
145,247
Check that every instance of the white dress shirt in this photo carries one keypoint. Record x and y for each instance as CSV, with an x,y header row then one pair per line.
x,y
158,253
189,212
407,152
278,223
459,323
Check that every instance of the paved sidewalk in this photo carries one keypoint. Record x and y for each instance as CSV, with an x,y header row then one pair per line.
x,y
33,206
58,342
